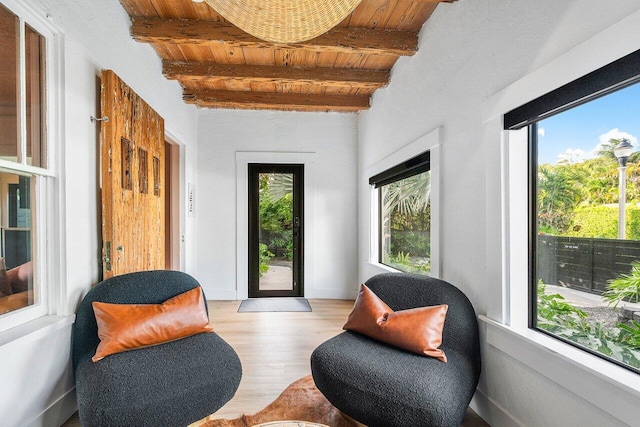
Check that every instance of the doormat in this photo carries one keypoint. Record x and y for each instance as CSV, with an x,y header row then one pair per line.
x,y
274,304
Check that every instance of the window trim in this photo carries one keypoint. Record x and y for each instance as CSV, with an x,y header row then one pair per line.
x,y
428,142
411,167
48,229
604,81
607,79
406,169
507,188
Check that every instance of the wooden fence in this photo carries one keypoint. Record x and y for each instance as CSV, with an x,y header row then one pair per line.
x,y
583,263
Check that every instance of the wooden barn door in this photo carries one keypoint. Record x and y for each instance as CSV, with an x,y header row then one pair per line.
x,y
133,217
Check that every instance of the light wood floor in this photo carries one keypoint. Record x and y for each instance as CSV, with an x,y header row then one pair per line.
x,y
274,349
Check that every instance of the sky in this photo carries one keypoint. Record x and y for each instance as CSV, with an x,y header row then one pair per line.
x,y
575,135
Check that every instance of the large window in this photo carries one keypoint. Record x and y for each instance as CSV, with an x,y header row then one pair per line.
x,y
405,215
584,180
24,178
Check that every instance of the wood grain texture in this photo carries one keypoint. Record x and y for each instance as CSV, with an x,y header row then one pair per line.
x,y
211,71
343,40
297,101
274,348
132,221
372,37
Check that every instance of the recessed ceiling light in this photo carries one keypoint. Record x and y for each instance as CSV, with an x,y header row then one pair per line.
x,y
197,1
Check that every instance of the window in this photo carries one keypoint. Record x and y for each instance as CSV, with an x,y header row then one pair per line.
x,y
404,198
25,181
584,202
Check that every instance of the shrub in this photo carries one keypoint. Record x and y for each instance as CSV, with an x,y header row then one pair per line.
x,y
566,321
265,258
602,222
556,315
414,241
626,287
630,334
404,262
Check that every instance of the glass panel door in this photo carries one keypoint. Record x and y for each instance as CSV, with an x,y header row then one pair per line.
x,y
275,230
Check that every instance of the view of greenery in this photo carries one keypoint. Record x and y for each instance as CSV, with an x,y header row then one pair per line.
x,y
557,316
276,214
581,200
406,222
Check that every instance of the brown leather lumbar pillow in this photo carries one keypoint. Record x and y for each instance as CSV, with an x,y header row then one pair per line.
x,y
418,330
123,327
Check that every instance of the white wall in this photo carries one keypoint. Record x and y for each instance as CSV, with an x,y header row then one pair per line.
x,y
37,386
333,139
98,38
469,51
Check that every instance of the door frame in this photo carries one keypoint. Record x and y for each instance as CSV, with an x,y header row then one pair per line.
x,y
175,187
254,170
243,158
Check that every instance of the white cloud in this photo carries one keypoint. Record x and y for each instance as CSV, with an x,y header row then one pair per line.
x,y
571,156
612,134
541,132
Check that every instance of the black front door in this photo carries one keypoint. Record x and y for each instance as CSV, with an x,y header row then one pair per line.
x,y
276,225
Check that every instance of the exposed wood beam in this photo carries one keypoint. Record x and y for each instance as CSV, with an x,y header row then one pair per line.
x,y
270,100
341,77
338,40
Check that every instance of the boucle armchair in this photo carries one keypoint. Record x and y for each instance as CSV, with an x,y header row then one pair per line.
x,y
170,384
380,385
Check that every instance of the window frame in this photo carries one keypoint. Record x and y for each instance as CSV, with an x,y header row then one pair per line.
x,y
407,169
610,78
608,387
48,225
428,142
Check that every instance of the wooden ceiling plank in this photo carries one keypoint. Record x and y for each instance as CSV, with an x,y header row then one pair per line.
x,y
353,61
139,7
348,40
405,19
163,52
259,56
189,51
325,59
231,99
371,14
177,70
235,55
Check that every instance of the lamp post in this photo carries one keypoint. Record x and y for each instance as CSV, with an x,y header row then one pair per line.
x,y
622,152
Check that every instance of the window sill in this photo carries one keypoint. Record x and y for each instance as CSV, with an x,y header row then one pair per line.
x,y
382,268
14,338
609,387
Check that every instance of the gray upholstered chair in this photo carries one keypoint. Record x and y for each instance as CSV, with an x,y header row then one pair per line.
x,y
380,385
171,384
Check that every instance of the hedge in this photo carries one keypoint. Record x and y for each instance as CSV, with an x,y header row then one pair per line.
x,y
602,222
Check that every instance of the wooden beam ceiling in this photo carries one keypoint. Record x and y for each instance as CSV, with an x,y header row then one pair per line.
x,y
339,77
338,40
279,101
220,66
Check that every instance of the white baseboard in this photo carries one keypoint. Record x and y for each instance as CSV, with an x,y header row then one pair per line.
x,y
347,294
494,414
221,295
59,412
